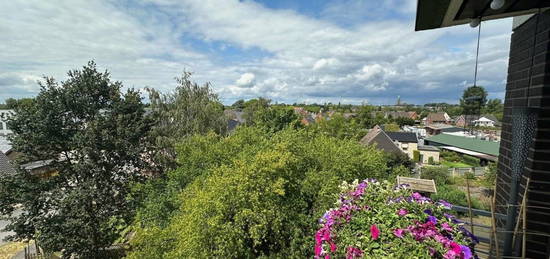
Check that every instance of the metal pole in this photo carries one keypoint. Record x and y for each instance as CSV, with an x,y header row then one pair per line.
x,y
470,205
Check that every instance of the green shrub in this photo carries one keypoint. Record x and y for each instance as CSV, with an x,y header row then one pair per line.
x,y
489,178
450,156
254,194
431,161
416,156
457,197
439,174
451,194
470,160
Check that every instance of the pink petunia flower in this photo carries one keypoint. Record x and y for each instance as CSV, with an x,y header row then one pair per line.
x,y
402,212
374,232
398,233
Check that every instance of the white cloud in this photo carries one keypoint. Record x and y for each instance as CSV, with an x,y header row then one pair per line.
x,y
246,80
307,57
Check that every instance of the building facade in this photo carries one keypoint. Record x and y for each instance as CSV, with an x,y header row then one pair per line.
x,y
525,143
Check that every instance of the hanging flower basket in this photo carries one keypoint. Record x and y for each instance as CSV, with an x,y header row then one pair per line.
x,y
379,220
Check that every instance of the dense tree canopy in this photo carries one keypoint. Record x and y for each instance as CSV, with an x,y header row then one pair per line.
x,y
473,100
90,134
253,194
189,109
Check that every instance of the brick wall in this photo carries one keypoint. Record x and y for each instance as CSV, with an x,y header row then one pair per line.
x,y
528,85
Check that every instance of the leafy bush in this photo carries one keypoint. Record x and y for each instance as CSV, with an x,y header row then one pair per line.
x,y
378,220
470,160
391,127
490,176
439,174
450,156
252,194
456,196
396,159
431,160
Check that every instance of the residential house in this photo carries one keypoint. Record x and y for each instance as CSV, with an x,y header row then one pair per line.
x,y
401,114
404,142
465,120
486,121
426,152
378,137
438,117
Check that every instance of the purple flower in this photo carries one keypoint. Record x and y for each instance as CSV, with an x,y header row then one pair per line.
x,y
429,212
416,196
445,204
402,212
432,219
466,251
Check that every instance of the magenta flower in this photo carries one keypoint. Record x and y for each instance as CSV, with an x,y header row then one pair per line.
x,y
374,232
416,196
445,226
398,233
402,212
456,248
353,252
332,247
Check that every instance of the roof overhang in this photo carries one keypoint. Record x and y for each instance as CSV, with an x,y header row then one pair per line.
x,y
432,14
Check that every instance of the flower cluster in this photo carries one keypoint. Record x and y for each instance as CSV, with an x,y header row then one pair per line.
x,y
375,219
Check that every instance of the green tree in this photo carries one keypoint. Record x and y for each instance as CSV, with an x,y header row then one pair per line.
x,y
91,133
252,109
473,100
340,127
189,109
275,119
439,174
391,127
256,194
495,107
403,121
239,105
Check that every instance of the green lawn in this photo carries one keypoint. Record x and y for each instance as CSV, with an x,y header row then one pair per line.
x,y
454,164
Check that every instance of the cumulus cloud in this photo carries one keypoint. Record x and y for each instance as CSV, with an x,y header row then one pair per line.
x,y
302,57
246,80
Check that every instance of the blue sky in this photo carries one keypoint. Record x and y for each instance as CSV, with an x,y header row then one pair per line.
x,y
349,51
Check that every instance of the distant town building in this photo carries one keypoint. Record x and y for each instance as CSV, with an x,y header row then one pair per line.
x,y
482,149
487,120
401,142
438,117
378,137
